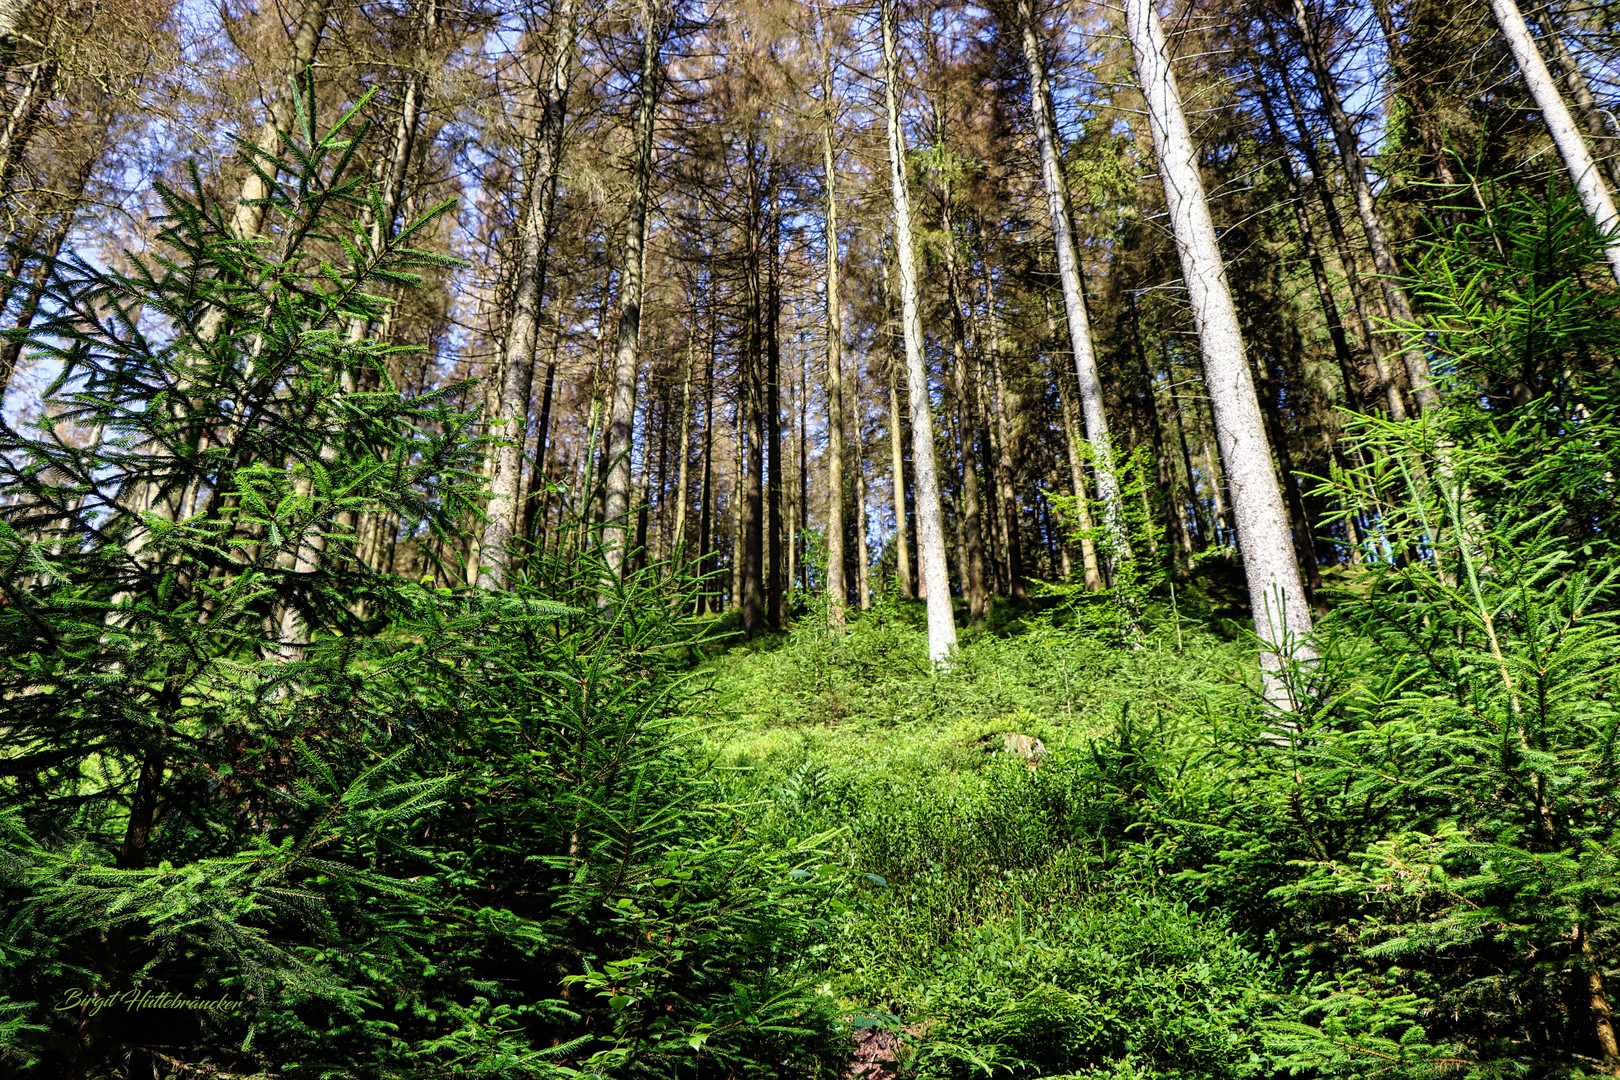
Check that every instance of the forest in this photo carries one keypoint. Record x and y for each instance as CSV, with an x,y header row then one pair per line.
x,y
887,539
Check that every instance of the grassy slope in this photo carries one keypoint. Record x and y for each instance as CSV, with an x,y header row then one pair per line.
x,y
988,910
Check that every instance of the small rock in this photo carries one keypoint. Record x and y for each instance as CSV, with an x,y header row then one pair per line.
x,y
1027,747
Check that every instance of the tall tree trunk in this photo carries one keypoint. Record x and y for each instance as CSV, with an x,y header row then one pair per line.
x,y
863,585
1074,299
1417,366
23,120
626,357
897,469
11,351
537,500
1561,126
1282,617
1598,124
837,591
511,412
1307,239
1416,88
1079,487
930,520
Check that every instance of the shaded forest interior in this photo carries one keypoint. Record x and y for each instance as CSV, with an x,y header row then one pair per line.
x,y
809,538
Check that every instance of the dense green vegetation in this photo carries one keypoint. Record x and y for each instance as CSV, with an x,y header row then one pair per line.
x,y
565,828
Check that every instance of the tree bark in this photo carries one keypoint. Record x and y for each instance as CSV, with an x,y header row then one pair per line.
x,y
1566,137
930,520
511,414
677,532
1592,115
897,469
1074,300
1081,490
248,217
626,357
1282,618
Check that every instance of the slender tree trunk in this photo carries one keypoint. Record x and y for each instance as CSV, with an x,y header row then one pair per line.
x,y
1417,366
1074,299
930,521
1415,87
1009,439
1175,522
739,500
1281,616
1561,126
511,412
897,469
11,351
626,360
1598,125
1206,531
538,499
863,585
23,120
1307,238
1082,495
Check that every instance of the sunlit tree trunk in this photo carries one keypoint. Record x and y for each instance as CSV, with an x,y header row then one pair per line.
x,y
511,411
1282,618
632,271
897,470
930,520
1566,137
1092,412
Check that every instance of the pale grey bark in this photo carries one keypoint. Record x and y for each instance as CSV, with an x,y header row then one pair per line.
x,y
1074,299
1566,136
632,273
510,416
1282,620
902,545
1598,123
930,521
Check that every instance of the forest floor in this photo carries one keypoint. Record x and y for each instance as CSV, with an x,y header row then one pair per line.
x,y
990,919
